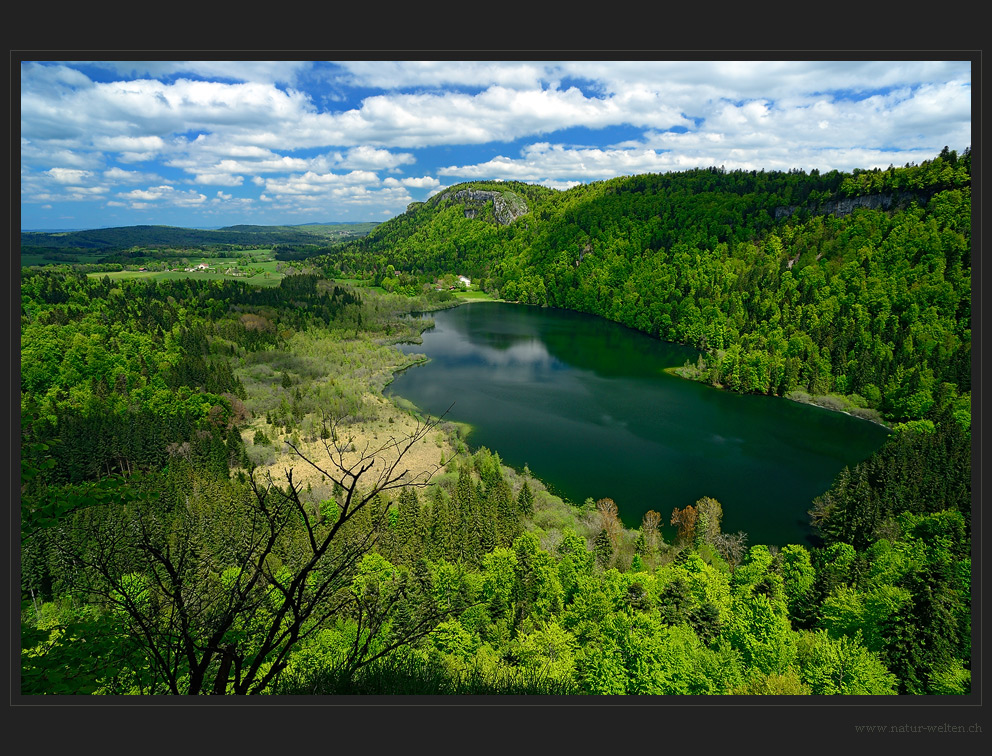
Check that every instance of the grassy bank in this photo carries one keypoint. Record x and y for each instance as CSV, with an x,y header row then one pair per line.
x,y
850,405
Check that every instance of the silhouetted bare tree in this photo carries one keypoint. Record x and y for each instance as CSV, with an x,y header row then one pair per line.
x,y
219,588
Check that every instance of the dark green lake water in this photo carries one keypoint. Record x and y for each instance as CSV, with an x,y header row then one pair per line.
x,y
585,403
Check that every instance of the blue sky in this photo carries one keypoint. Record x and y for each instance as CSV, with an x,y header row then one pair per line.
x,y
204,144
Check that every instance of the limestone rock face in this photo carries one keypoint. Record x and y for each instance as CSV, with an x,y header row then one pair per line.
x,y
507,206
846,205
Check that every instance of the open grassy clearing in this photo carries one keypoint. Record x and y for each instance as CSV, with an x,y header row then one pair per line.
x,y
475,295
290,391
260,270
262,279
381,436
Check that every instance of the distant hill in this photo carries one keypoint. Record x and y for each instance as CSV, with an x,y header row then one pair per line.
x,y
162,237
323,230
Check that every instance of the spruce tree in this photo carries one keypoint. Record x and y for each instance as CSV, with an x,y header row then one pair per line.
x,y
603,549
525,501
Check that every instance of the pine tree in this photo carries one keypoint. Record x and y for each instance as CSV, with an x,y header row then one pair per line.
x,y
525,500
507,515
487,520
443,528
408,515
603,549
464,507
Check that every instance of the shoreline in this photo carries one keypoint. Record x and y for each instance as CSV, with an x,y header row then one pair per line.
x,y
827,402
823,401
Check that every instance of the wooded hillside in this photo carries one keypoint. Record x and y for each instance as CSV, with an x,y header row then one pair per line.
x,y
851,284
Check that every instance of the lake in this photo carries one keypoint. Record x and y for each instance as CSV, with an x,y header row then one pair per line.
x,y
586,404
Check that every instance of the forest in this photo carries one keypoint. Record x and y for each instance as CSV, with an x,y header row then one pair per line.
x,y
216,498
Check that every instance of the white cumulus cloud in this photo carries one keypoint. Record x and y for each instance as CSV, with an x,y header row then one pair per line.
x,y
68,175
163,195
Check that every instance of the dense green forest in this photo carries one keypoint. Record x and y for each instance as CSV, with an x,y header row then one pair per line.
x,y
216,498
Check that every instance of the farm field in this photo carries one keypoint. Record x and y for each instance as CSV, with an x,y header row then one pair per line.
x,y
262,272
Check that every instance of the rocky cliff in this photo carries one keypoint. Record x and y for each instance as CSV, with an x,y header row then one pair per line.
x,y
846,205
507,206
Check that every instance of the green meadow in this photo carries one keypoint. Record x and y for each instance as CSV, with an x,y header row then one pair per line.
x,y
261,271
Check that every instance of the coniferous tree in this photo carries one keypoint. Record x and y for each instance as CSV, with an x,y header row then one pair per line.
x,y
525,500
603,549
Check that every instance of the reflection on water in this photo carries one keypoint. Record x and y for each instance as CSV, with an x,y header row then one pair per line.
x,y
586,404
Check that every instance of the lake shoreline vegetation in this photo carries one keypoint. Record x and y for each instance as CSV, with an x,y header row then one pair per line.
x,y
217,497
849,405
